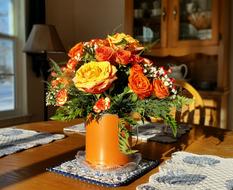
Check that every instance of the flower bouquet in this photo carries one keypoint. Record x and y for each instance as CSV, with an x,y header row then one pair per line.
x,y
109,76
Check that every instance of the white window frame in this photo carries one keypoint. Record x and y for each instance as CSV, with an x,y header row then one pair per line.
x,y
19,62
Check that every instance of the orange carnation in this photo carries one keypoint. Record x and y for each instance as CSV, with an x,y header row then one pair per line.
x,y
140,84
61,97
101,105
103,53
53,74
77,50
64,81
98,42
123,57
71,64
160,90
67,72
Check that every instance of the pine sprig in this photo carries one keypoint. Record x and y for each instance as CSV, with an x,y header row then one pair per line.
x,y
123,103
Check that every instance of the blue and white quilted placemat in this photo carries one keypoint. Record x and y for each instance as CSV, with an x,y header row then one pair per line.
x,y
80,170
193,172
13,140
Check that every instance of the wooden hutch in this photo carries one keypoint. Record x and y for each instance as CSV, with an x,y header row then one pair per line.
x,y
191,32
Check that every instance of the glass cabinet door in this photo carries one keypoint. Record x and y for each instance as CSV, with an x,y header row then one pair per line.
x,y
168,24
147,21
195,20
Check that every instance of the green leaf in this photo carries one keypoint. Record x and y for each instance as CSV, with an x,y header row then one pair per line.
x,y
122,42
55,67
123,137
133,97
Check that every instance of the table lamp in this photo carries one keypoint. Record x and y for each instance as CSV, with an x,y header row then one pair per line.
x,y
43,39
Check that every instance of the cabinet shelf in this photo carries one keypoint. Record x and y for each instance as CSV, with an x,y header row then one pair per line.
x,y
155,20
182,51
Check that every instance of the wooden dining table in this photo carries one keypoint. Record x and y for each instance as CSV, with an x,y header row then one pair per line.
x,y
26,170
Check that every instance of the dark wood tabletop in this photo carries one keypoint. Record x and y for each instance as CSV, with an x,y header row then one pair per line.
x,y
26,170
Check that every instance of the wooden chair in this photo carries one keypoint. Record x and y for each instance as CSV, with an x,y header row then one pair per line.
x,y
193,113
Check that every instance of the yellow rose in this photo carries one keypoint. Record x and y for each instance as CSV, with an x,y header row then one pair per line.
x,y
95,77
117,42
118,37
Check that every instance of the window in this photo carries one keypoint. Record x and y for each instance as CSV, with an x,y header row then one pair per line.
x,y
11,74
7,84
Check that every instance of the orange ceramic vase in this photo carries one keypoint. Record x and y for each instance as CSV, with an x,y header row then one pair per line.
x,y
102,147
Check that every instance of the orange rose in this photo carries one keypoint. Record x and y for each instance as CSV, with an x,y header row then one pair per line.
x,y
136,68
103,53
160,90
77,50
123,57
61,97
140,84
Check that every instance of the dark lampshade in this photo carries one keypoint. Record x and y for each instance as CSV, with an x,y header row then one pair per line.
x,y
43,38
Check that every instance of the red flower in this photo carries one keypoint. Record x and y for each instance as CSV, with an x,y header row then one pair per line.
x,y
101,105
103,53
136,59
123,56
61,97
